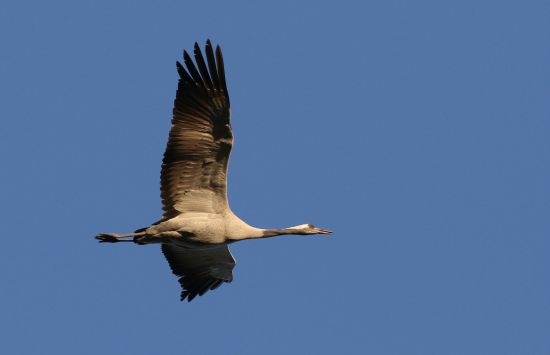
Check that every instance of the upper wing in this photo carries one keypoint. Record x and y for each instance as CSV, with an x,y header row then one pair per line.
x,y
199,270
194,168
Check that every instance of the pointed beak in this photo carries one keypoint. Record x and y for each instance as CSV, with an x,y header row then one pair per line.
x,y
324,231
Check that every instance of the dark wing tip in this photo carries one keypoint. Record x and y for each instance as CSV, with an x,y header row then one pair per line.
x,y
186,55
212,66
206,71
221,71
208,45
192,68
209,286
190,296
203,69
199,270
184,295
193,288
184,75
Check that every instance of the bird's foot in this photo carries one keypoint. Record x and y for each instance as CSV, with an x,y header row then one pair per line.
x,y
107,238
111,238
137,238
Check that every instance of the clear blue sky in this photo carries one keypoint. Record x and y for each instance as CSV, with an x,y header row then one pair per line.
x,y
416,130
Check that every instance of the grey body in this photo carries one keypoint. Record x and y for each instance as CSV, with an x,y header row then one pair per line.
x,y
197,223
201,227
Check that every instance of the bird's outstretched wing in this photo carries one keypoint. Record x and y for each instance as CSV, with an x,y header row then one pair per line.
x,y
194,168
199,270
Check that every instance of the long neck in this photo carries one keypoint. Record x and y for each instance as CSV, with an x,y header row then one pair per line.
x,y
258,233
266,233
237,229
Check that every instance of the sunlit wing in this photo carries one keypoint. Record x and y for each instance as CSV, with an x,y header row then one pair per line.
x,y
194,168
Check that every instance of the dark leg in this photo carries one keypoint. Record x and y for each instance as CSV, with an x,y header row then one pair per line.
x,y
115,238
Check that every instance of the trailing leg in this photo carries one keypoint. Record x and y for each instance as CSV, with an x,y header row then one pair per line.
x,y
115,238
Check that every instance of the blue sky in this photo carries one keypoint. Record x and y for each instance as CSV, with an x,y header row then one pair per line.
x,y
416,130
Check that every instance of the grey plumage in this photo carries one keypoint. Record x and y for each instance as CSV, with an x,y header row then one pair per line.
x,y
197,223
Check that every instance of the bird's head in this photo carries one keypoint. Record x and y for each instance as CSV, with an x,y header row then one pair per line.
x,y
309,229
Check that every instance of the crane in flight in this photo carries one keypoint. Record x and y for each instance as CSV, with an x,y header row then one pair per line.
x,y
197,224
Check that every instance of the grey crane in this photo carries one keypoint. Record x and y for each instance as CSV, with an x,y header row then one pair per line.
x,y
198,224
